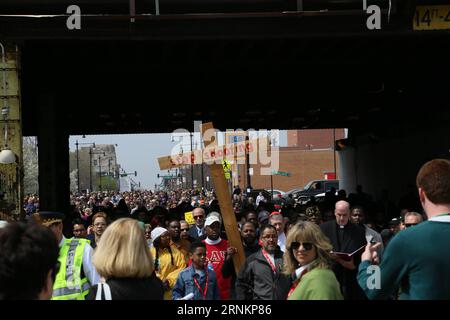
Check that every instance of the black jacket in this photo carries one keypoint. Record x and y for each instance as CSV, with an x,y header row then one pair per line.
x,y
256,280
353,238
228,267
132,289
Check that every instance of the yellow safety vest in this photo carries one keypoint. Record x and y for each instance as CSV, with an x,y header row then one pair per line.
x,y
68,283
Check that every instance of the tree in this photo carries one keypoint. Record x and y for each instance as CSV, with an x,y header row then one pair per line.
x,y
74,181
30,165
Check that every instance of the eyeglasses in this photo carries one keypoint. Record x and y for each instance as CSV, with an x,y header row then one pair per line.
x,y
184,229
296,245
407,225
100,225
273,237
198,217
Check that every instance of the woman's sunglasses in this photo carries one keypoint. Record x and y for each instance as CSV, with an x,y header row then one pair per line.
x,y
296,245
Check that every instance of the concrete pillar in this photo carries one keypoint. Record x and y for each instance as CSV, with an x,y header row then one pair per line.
x,y
11,175
347,169
53,142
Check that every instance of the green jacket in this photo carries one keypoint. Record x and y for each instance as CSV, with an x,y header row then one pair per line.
x,y
317,284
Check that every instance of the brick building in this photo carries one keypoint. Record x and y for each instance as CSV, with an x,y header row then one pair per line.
x,y
308,156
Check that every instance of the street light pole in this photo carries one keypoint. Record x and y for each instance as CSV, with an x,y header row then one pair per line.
x,y
247,160
99,173
90,169
78,169
192,164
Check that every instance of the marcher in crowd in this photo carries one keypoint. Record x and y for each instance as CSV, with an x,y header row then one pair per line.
x,y
197,231
216,249
77,274
276,219
79,230
261,277
99,224
346,237
28,262
197,279
308,258
123,258
417,259
169,261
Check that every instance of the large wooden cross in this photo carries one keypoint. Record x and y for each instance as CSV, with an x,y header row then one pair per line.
x,y
213,152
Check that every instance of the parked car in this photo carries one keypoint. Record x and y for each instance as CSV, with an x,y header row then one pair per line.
x,y
313,188
276,193
255,192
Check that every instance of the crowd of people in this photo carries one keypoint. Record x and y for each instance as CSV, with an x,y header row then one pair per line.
x,y
139,245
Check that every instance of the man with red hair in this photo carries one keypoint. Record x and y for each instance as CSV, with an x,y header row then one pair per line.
x,y
416,259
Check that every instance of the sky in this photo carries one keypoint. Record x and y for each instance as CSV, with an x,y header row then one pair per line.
x,y
139,152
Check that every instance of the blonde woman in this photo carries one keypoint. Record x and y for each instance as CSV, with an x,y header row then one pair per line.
x,y
308,258
123,258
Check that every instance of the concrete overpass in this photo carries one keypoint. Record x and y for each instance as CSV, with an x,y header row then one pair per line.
x,y
258,65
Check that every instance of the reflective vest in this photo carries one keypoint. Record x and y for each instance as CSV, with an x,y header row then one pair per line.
x,y
68,283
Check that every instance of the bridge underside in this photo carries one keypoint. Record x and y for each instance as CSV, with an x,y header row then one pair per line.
x,y
321,70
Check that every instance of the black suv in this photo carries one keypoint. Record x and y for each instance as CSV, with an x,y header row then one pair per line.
x,y
313,188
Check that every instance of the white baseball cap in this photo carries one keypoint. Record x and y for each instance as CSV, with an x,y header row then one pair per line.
x,y
211,219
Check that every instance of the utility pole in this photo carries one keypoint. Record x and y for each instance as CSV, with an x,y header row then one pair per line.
x,y
90,169
78,169
192,164
99,173
247,160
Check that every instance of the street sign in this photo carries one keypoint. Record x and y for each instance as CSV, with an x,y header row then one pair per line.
x,y
281,173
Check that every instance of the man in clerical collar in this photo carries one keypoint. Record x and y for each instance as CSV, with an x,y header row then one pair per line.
x,y
346,237
75,255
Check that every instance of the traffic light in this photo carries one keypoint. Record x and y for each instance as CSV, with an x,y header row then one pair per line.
x,y
135,173
342,144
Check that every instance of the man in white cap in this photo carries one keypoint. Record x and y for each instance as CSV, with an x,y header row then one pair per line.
x,y
216,249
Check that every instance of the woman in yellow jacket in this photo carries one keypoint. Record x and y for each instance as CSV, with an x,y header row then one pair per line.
x,y
169,261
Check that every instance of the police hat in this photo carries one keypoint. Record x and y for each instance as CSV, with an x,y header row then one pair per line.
x,y
48,218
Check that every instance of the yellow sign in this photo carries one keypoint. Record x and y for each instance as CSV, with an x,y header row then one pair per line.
x,y
432,18
226,168
189,218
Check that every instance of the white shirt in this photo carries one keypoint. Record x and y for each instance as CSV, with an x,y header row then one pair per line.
x,y
88,268
282,241
259,199
299,271
271,257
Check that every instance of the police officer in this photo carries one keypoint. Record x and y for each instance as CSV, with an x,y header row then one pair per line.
x,y
76,274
